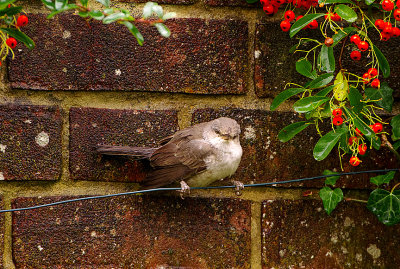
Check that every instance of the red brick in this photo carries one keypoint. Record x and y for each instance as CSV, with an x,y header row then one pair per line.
x,y
1,232
266,159
241,3
299,234
30,142
173,2
61,59
201,56
90,127
133,232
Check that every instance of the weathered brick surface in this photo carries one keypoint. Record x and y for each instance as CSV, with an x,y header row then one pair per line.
x,y
133,232
231,3
30,142
90,127
61,59
201,56
275,66
266,159
299,234
1,232
163,1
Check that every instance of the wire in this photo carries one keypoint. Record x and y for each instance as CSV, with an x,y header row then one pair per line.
x,y
194,188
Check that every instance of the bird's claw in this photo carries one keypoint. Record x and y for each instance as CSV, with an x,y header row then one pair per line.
x,y
239,186
185,189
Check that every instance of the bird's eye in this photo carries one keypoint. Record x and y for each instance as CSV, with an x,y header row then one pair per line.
x,y
217,132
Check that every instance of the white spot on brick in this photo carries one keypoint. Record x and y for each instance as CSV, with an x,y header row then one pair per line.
x,y
64,70
249,133
42,139
66,34
118,72
1,176
282,252
3,148
257,54
334,238
374,251
359,257
93,234
348,222
329,254
40,248
344,250
94,124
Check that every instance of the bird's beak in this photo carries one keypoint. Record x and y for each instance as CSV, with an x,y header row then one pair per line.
x,y
225,137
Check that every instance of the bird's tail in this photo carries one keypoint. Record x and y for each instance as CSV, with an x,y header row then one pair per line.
x,y
135,152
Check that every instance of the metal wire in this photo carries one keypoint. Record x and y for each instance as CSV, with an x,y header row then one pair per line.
x,y
194,188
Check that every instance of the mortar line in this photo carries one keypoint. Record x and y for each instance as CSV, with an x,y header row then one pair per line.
x,y
8,262
255,235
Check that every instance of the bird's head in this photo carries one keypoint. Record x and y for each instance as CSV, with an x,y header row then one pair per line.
x,y
226,128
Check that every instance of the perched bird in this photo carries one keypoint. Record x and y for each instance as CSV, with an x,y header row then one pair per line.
x,y
196,156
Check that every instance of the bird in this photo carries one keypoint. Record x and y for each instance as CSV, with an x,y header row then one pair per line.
x,y
195,156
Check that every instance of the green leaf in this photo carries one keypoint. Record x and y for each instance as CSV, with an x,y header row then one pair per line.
x,y
330,198
327,60
326,143
331,180
65,8
96,14
162,29
383,96
382,62
148,9
20,36
309,103
369,2
327,2
291,130
283,96
396,145
5,3
395,123
355,98
364,128
169,15
251,1
84,2
49,4
10,11
158,10
386,178
300,24
341,34
105,3
320,81
60,4
114,17
325,91
132,28
304,67
385,205
346,12
83,14
341,87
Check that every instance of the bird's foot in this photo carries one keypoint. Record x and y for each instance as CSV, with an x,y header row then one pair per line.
x,y
185,189
239,186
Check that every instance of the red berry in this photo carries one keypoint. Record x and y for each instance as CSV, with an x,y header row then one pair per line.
x,y
396,14
395,32
337,121
387,5
355,39
366,78
289,15
285,25
376,83
373,72
363,45
362,149
22,21
280,2
337,112
299,17
264,2
11,42
377,127
352,140
398,3
380,24
313,24
355,55
388,29
358,132
269,9
336,17
385,36
328,16
354,161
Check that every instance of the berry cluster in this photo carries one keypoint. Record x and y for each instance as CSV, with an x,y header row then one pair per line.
x,y
270,7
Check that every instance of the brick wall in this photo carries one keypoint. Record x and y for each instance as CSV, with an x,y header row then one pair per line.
x,y
87,84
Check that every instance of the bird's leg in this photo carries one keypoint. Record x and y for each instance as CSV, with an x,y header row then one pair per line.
x,y
185,189
239,186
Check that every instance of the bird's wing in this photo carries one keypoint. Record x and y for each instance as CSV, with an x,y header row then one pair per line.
x,y
176,161
135,152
